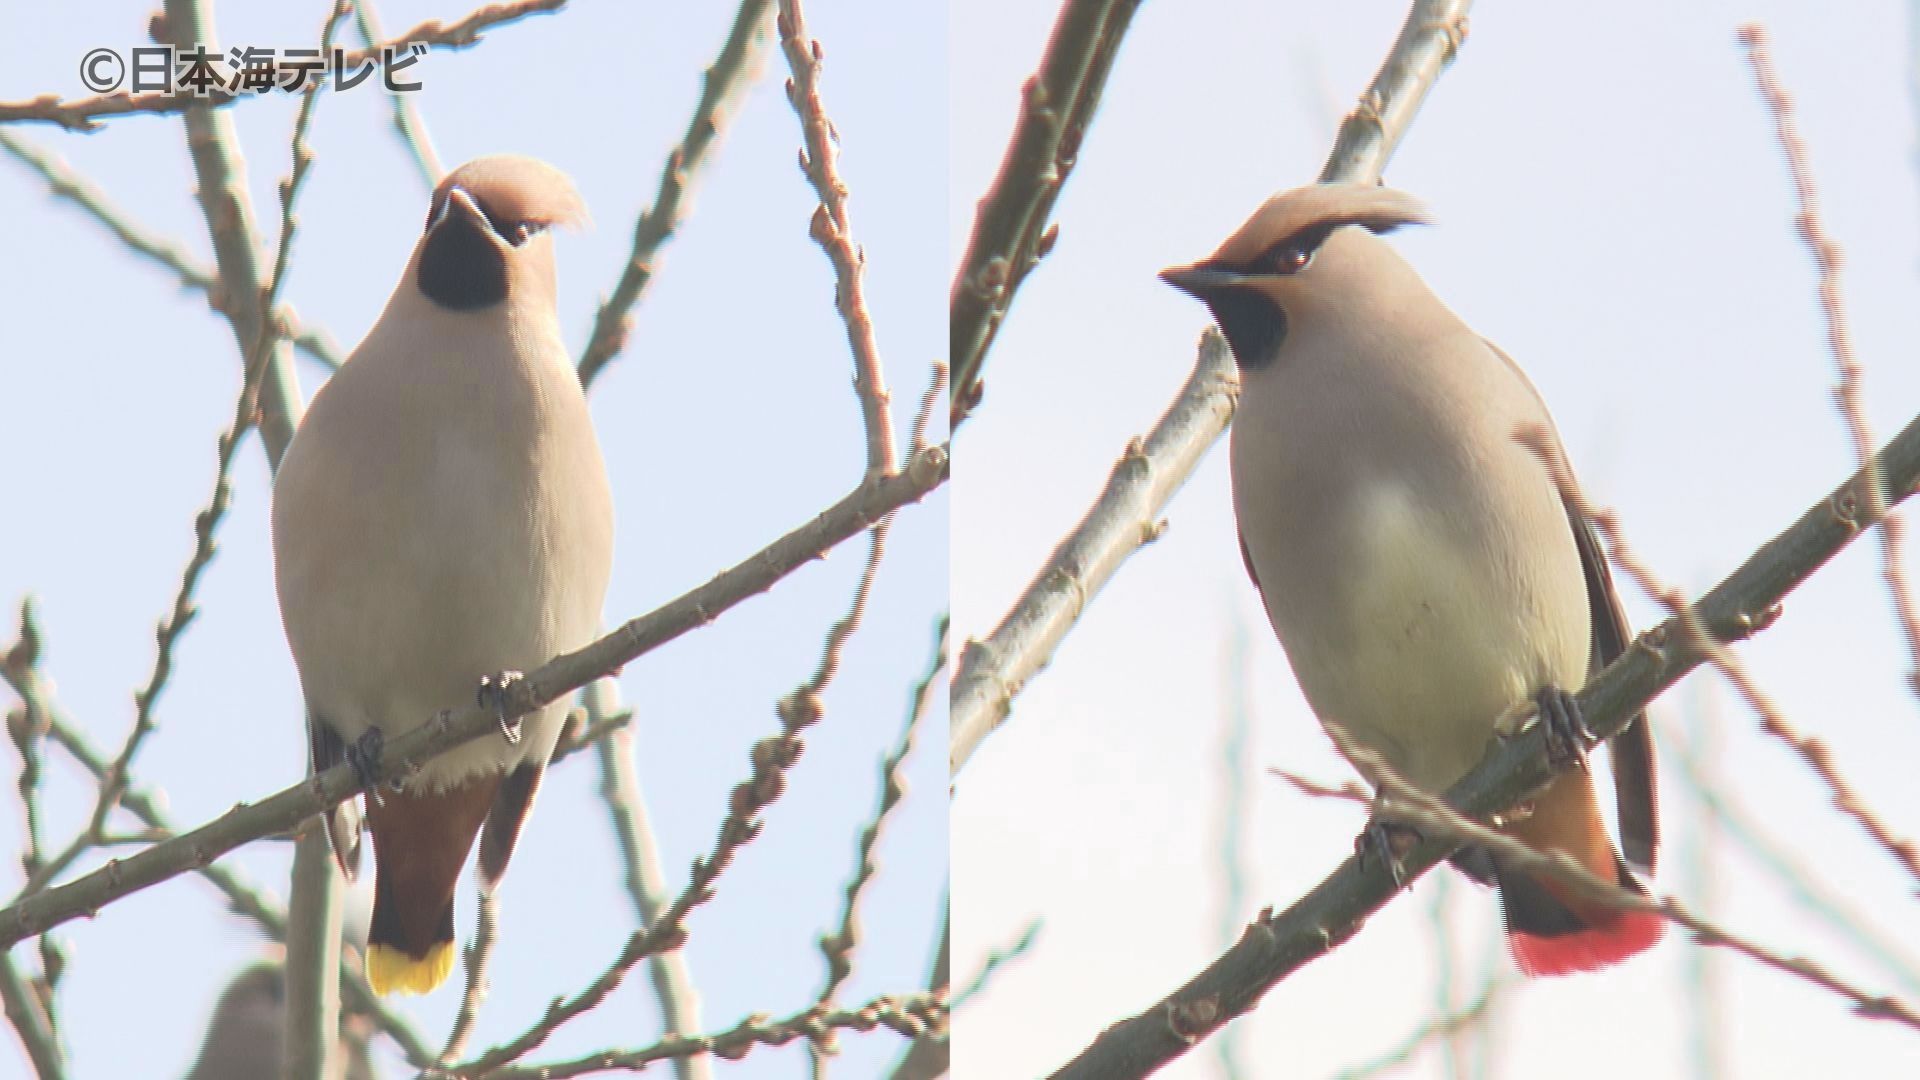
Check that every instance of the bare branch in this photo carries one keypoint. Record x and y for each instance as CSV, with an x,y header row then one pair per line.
x,y
485,935
65,183
1433,818
640,857
85,114
908,1016
930,1055
1848,395
997,959
832,229
1275,945
1440,1027
240,896
991,673
286,809
1010,233
837,947
407,123
725,84
30,1021
1772,718
1125,518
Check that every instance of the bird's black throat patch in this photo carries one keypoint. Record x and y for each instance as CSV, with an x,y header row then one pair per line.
x,y
1253,324
461,268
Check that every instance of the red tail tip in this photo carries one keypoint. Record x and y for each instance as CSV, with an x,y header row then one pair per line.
x,y
1625,934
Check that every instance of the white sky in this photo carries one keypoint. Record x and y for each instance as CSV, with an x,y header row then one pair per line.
x,y
728,422
1613,211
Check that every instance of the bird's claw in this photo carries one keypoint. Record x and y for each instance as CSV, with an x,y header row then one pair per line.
x,y
363,754
1567,733
493,694
1386,841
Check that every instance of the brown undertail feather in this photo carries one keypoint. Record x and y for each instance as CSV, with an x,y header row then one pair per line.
x,y
420,842
1551,929
509,813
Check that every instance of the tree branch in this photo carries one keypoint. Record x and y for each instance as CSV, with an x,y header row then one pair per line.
x,y
1826,258
832,229
909,1016
286,809
29,1018
640,857
64,183
726,82
407,123
85,114
1276,945
1125,518
992,672
1010,233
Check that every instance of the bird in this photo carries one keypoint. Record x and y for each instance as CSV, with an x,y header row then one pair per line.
x,y
441,522
1424,574
248,1027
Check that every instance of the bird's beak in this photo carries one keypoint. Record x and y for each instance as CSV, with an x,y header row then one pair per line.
x,y
459,202
1201,279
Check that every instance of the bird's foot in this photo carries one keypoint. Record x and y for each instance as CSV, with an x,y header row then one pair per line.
x,y
1387,842
493,694
1567,733
363,754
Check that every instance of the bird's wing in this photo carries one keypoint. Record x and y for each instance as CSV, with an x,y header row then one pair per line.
x,y
1632,749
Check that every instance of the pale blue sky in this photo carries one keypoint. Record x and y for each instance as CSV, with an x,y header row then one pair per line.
x,y
1612,209
730,420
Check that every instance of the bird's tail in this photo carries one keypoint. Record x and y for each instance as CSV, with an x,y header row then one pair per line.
x,y
420,842
1552,929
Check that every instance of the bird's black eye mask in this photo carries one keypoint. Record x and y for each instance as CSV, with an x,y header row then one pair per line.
x,y
1254,323
461,268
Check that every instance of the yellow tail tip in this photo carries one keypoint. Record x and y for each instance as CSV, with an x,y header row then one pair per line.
x,y
389,970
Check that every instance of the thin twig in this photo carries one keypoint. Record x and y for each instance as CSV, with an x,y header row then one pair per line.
x,y
30,1021
1701,752
1235,809
832,229
907,1016
804,707
486,934
930,1055
1445,1026
992,672
997,959
63,182
1800,883
85,114
290,807
244,899
1772,718
407,123
311,1042
183,610
1433,818
247,901
1125,518
595,731
1010,232
723,87
922,420
1849,395
837,946
771,758
673,984
1277,944
27,726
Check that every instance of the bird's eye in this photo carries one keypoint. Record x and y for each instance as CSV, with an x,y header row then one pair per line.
x,y
527,230
1284,259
